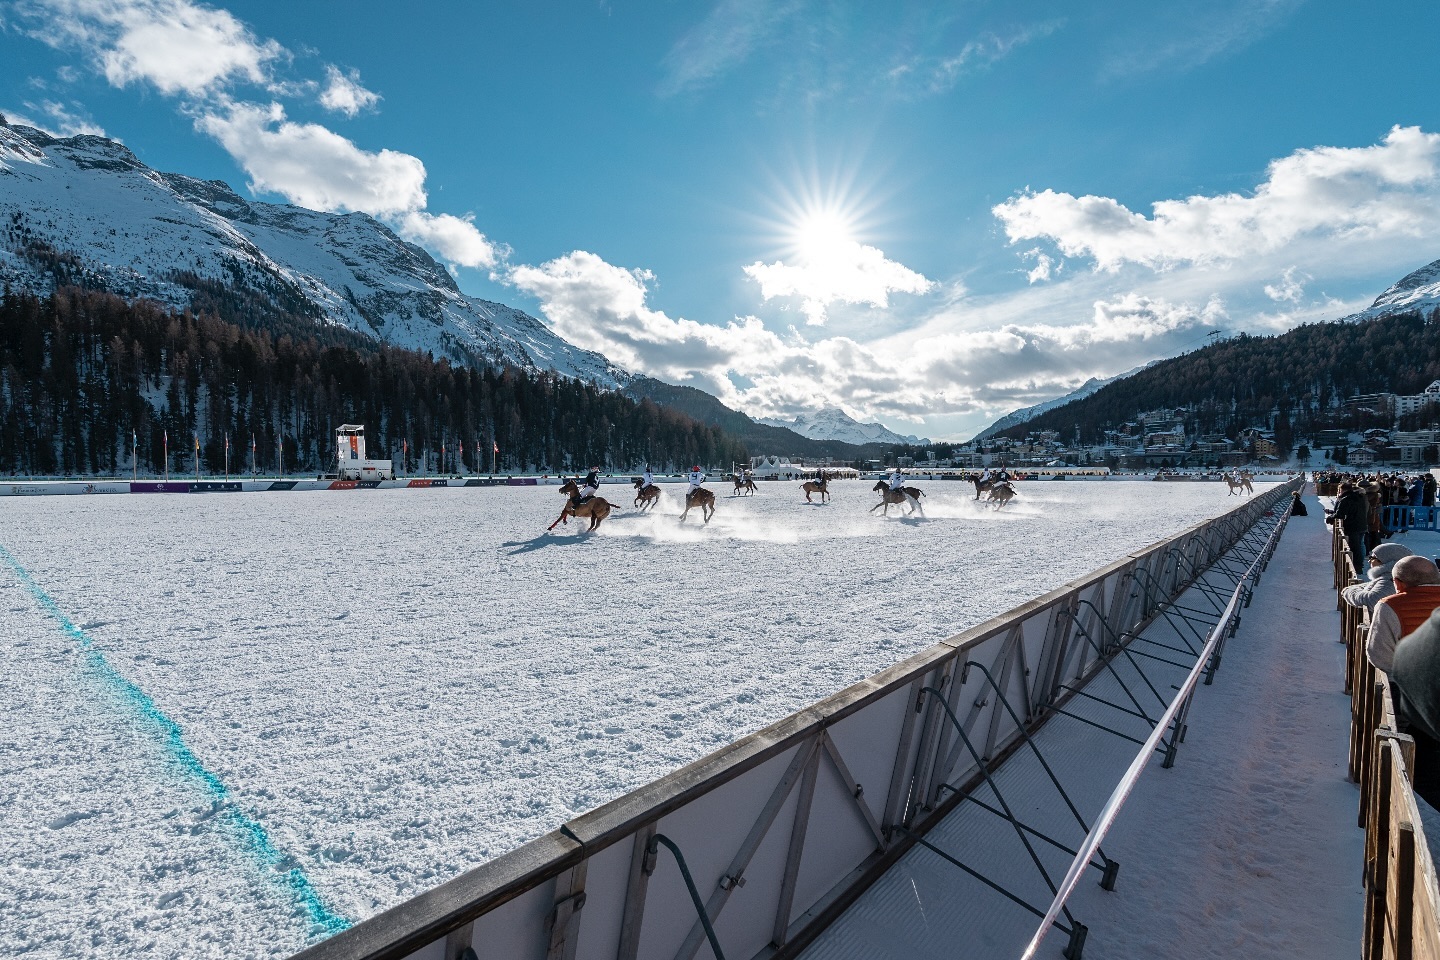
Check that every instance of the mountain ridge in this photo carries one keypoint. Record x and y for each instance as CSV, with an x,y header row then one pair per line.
x,y
86,209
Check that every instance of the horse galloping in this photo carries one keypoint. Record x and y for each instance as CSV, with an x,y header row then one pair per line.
x,y
1001,493
744,483
909,496
596,508
1237,485
813,486
645,496
982,486
702,498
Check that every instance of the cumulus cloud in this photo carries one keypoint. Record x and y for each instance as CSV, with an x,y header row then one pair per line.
x,y
175,45
845,272
604,307
313,166
1383,191
456,239
343,93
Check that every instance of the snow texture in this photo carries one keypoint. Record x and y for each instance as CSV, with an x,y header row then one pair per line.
x,y
392,687
1247,847
140,233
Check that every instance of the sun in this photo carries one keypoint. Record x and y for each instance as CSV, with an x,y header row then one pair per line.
x,y
821,235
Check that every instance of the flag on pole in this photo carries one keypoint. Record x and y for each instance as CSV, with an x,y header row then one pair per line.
x,y
197,442
496,445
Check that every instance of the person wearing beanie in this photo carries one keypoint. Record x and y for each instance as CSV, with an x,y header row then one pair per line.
x,y
1377,584
1416,596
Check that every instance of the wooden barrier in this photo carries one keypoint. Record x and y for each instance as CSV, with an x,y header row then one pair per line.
x,y
1402,900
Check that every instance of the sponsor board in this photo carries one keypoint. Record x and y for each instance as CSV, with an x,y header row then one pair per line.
x,y
282,485
430,482
159,486
522,482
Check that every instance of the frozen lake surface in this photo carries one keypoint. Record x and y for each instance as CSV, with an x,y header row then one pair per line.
x,y
228,720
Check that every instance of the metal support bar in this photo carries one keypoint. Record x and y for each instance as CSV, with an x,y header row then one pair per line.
x,y
734,875
994,788
797,850
852,787
669,844
641,866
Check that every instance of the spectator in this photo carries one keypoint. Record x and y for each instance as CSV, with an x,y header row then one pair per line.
x,y
1415,674
1416,596
1377,584
1297,506
1375,527
1429,497
1353,515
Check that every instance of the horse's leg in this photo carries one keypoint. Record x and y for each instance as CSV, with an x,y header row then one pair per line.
x,y
558,519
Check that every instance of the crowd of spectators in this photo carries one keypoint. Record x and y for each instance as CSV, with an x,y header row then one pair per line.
x,y
1400,593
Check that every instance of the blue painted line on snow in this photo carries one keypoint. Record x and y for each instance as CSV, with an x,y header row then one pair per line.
x,y
259,841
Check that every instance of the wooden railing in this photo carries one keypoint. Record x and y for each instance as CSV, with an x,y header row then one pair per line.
x,y
1402,900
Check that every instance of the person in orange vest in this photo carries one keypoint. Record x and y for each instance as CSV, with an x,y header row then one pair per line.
x,y
1416,596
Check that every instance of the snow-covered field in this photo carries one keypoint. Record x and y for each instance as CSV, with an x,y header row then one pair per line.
x,y
227,721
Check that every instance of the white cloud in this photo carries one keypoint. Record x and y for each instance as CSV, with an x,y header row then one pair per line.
x,y
1289,289
603,307
844,272
175,45
1385,191
456,239
313,166
343,93
1045,266
731,31
62,120
975,55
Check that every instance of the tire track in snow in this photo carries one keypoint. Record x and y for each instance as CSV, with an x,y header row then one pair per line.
x,y
257,840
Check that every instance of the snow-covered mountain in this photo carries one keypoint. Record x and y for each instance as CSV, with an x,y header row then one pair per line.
x,y
1025,414
832,423
1419,290
85,209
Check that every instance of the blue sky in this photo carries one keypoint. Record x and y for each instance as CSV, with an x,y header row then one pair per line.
x,y
925,213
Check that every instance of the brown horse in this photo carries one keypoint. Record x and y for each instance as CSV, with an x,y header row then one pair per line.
x,y
812,486
645,497
1236,485
1001,493
596,508
702,498
909,496
742,482
981,486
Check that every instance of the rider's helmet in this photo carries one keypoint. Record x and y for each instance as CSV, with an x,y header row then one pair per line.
x,y
696,467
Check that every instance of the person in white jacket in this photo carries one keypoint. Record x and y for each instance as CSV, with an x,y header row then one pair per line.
x,y
647,479
696,479
1377,584
897,480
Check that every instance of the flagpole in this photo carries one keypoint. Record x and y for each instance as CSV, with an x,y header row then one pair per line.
x,y
165,435
134,456
197,458
280,448
227,458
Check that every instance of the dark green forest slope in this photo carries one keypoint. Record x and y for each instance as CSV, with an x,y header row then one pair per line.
x,y
1300,379
81,370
